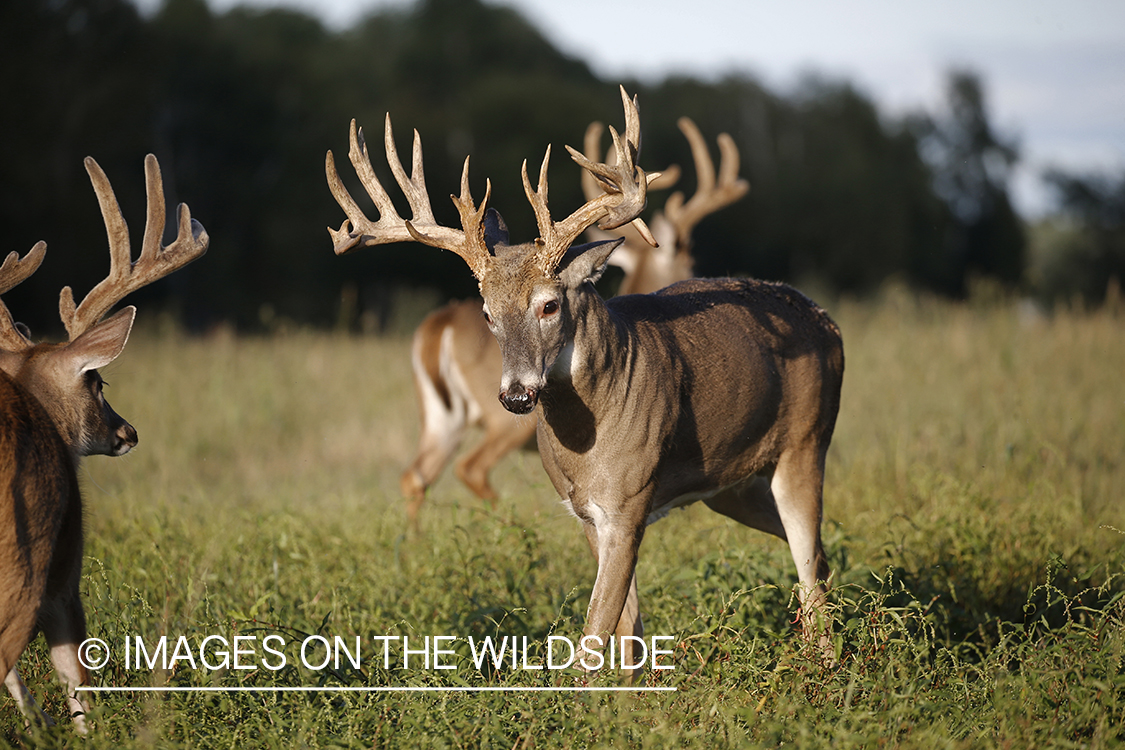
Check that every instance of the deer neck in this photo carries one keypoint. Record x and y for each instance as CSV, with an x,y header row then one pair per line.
x,y
590,374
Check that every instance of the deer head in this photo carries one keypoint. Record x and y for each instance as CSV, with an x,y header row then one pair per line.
x,y
64,377
525,286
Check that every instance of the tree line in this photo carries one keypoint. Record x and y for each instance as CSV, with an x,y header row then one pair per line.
x,y
241,106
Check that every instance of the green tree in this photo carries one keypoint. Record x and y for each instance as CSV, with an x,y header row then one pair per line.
x,y
1094,255
972,164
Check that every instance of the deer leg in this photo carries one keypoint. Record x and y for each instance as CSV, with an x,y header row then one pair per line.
x,y
18,612
501,438
64,626
798,484
751,503
614,605
24,699
442,426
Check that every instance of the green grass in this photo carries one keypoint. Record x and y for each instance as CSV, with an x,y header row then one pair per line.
x,y
973,510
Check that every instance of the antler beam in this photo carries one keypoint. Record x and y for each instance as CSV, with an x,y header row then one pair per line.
x,y
155,262
625,187
710,194
360,231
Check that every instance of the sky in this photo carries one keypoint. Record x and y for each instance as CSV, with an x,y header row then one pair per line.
x,y
1054,72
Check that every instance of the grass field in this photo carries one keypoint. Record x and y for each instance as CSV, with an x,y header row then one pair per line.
x,y
974,519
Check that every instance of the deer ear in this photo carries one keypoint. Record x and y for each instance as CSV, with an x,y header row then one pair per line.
x,y
101,344
586,262
495,230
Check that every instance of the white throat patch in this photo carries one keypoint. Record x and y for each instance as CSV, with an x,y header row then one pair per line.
x,y
562,368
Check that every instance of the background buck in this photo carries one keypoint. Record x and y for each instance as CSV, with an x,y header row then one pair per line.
x,y
721,390
456,361
52,412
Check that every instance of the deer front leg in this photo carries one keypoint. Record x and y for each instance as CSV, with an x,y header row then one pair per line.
x,y
614,606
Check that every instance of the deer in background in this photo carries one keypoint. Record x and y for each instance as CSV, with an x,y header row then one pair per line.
x,y
456,361
720,390
53,412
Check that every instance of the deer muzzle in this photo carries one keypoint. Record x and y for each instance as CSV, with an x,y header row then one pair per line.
x,y
124,439
519,400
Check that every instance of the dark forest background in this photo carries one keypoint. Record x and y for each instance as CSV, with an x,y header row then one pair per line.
x,y
241,106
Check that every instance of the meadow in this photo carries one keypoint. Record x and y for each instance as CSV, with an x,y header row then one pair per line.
x,y
974,520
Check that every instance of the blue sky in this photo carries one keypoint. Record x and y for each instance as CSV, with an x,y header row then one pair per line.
x,y
1054,71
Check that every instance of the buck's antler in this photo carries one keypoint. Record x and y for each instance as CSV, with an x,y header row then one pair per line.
x,y
592,189
14,272
710,195
125,275
624,188
359,231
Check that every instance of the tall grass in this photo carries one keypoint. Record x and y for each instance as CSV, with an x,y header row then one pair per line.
x,y
973,517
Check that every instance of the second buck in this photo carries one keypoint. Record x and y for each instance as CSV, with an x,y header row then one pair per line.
x,y
456,361
53,412
720,390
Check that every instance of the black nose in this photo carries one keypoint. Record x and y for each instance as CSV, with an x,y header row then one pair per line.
x,y
125,439
519,400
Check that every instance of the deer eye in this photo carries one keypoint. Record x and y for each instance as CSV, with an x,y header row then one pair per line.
x,y
487,317
550,307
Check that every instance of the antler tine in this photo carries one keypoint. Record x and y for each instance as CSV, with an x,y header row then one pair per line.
x,y
155,262
13,272
16,270
591,148
710,195
473,249
359,231
624,193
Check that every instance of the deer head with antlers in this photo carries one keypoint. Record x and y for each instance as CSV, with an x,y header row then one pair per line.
x,y
455,359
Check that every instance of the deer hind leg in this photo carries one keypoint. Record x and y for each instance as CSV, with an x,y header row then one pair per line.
x,y
444,416
798,486
505,433
25,701
751,503
64,626
616,559
18,612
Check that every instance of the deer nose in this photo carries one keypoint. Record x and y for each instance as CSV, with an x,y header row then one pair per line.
x,y
518,400
124,439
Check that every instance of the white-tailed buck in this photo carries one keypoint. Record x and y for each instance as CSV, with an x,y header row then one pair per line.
x,y
52,412
721,390
456,360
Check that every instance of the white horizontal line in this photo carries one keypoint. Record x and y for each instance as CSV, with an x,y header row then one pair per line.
x,y
404,689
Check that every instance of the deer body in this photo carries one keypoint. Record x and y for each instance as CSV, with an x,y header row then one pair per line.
x,y
40,546
52,413
718,390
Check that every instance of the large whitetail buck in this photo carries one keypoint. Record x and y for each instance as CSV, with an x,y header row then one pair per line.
x,y
721,390
456,361
53,412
